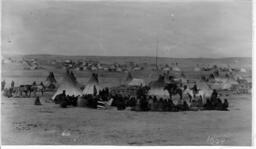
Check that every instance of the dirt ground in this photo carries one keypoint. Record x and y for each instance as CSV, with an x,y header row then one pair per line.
x,y
24,123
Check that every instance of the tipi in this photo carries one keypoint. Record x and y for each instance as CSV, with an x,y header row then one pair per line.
x,y
92,86
51,81
69,86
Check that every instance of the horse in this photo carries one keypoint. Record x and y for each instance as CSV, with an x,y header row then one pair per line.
x,y
24,88
38,88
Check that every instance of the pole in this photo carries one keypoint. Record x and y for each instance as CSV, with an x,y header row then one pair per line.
x,y
157,42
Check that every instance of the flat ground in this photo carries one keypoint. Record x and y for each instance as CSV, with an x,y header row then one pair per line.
x,y
23,123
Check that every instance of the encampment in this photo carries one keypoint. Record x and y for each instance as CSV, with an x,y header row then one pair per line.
x,y
51,81
69,86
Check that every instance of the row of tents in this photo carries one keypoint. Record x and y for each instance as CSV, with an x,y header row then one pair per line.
x,y
72,87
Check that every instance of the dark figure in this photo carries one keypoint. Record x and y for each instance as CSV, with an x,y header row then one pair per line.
x,y
94,91
195,90
214,98
121,104
155,104
185,106
225,105
150,103
171,106
144,104
160,104
211,76
60,98
214,94
37,101
218,104
165,105
34,83
208,105
12,84
3,84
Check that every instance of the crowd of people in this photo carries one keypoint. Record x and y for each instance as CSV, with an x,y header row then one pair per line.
x,y
143,102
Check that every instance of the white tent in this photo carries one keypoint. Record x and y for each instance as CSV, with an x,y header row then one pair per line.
x,y
92,85
157,87
130,81
137,82
243,70
226,85
69,86
197,69
160,92
176,68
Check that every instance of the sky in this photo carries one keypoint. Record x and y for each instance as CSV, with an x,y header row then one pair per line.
x,y
181,29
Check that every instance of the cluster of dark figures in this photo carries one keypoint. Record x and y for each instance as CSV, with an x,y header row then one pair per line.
x,y
142,102
66,100
152,103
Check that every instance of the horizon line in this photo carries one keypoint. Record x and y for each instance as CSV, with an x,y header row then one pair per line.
x,y
122,56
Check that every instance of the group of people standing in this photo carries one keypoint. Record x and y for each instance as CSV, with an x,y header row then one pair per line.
x,y
143,102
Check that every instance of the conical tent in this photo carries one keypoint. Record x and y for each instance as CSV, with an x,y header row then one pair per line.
x,y
92,86
69,86
51,81
51,78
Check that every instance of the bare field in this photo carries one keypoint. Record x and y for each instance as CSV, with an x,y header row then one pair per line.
x,y
23,123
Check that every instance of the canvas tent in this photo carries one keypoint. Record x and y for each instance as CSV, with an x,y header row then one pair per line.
x,y
136,82
159,92
226,85
176,68
92,86
157,87
197,69
130,81
69,86
243,70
